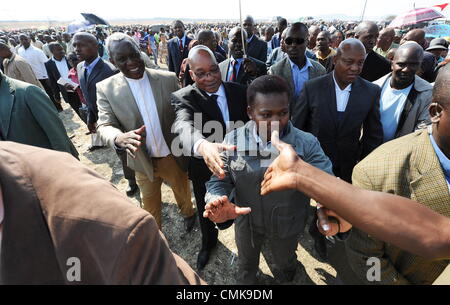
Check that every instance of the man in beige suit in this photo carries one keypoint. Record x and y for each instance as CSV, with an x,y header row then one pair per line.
x,y
61,223
135,115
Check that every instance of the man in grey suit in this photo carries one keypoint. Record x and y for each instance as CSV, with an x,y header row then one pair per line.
x,y
296,68
135,115
238,69
256,47
405,97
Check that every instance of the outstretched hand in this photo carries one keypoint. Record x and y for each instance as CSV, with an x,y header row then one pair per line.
x,y
222,210
211,155
282,173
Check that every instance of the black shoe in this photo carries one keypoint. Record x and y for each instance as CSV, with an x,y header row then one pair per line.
x,y
92,148
189,223
202,259
320,246
132,190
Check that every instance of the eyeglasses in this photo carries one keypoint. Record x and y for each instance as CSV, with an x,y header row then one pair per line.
x,y
290,41
203,75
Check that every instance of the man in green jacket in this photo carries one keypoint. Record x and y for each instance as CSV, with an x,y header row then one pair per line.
x,y
27,116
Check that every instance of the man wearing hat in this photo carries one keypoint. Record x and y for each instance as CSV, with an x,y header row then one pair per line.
x,y
438,47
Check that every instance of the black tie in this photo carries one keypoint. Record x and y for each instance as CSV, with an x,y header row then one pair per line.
x,y
86,75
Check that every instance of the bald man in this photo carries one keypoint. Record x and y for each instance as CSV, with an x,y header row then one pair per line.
x,y
256,47
429,63
405,97
214,103
375,65
313,32
417,169
385,41
335,108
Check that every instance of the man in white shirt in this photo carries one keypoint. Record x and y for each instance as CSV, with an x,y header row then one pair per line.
x,y
37,59
405,97
135,115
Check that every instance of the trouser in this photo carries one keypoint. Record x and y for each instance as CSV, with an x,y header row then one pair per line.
x,y
49,91
128,173
207,227
165,170
249,245
74,101
155,55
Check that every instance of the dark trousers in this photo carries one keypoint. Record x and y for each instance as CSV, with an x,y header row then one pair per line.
x,y
207,227
128,173
74,101
45,83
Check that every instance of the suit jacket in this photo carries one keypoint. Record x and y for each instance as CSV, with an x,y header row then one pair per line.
x,y
283,68
190,102
242,77
175,56
28,116
53,76
101,71
406,167
18,68
57,216
119,113
415,112
257,48
375,67
342,142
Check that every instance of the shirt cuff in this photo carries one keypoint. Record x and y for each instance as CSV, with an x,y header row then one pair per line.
x,y
196,145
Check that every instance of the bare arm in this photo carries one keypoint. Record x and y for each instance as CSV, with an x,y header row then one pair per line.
x,y
420,230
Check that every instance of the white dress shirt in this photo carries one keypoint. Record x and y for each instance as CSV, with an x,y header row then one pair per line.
x,y
143,95
223,106
63,69
37,59
342,96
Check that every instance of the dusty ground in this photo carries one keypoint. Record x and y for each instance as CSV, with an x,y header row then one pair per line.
x,y
223,263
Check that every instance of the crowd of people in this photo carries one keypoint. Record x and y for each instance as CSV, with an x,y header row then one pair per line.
x,y
365,103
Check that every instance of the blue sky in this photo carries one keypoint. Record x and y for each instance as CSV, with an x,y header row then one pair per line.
x,y
264,9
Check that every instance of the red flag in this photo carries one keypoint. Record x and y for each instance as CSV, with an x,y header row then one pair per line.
x,y
441,6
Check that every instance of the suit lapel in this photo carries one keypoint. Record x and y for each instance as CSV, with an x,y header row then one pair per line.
x,y
224,72
6,105
95,72
209,107
287,71
352,104
428,183
332,102
233,109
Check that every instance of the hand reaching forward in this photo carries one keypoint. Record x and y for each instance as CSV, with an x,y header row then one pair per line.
x,y
211,155
222,210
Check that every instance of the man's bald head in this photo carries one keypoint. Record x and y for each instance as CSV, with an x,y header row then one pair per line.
x,y
236,30
441,91
5,52
350,44
313,30
365,26
200,53
417,35
409,49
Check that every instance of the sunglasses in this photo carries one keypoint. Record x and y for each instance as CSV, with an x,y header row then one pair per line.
x,y
290,41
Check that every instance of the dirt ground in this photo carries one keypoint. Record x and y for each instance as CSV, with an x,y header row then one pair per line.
x,y
222,267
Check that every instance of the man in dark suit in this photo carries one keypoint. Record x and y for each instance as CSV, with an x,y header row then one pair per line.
x,y
27,116
209,103
238,69
375,65
178,47
58,67
91,71
335,108
64,224
256,47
